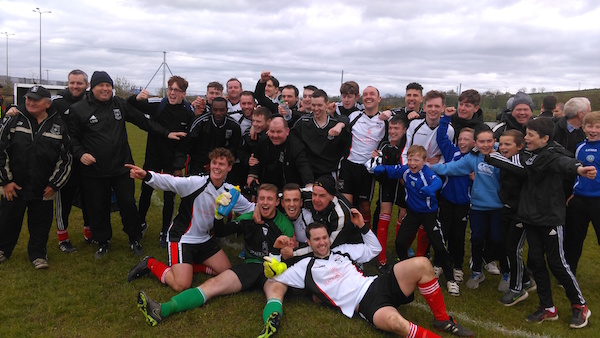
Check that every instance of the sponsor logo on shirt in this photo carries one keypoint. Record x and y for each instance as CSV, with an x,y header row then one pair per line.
x,y
117,113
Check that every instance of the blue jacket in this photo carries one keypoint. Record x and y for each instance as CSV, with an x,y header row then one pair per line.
x,y
484,195
456,189
588,153
420,187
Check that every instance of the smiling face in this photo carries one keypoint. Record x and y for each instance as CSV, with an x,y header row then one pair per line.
x,y
485,142
434,108
292,203
319,106
219,168
267,202
175,94
211,93
234,89
371,99
247,104
466,141
102,91
288,95
413,99
415,162
319,242
320,198
219,110
37,107
534,141
521,113
77,84
466,110
278,132
508,147
396,132
592,130
349,100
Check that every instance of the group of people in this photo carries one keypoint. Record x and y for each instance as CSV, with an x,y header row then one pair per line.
x,y
307,169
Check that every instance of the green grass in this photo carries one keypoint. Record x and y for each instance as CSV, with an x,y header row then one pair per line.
x,y
79,296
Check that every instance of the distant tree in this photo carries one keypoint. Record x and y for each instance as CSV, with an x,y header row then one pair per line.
x,y
123,87
523,89
542,89
533,90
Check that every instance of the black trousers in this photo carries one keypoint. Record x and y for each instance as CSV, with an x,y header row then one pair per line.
x,y
454,219
168,196
97,191
39,221
580,212
408,229
546,246
64,200
515,240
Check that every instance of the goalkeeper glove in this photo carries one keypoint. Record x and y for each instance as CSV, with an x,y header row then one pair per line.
x,y
273,267
224,199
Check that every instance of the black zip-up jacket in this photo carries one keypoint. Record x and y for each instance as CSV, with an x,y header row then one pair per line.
x,y
98,128
32,155
63,100
510,182
509,123
476,123
567,139
159,149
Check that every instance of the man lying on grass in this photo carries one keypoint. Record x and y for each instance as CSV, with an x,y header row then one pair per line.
x,y
333,278
259,242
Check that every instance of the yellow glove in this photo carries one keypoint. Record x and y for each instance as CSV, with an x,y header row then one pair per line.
x,y
222,200
273,267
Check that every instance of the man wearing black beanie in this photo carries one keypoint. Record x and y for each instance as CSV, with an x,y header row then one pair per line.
x,y
99,142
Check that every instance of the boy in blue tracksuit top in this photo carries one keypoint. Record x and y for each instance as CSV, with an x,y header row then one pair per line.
x,y
456,193
421,185
485,203
584,206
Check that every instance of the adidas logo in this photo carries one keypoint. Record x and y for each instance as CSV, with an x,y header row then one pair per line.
x,y
552,233
519,225
93,119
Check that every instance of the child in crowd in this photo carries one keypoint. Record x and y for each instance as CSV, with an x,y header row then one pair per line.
x,y
584,204
391,191
485,203
455,197
516,284
421,185
542,211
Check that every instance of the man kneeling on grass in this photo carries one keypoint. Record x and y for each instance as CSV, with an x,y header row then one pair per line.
x,y
259,242
332,277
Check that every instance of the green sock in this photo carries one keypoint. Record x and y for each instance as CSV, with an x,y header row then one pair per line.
x,y
273,305
185,300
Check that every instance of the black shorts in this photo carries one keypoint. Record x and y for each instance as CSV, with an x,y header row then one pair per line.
x,y
391,190
251,275
384,291
355,180
192,253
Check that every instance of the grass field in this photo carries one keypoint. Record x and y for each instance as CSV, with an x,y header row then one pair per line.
x,y
79,296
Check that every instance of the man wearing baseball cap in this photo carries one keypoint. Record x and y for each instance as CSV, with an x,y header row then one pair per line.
x,y
99,142
34,163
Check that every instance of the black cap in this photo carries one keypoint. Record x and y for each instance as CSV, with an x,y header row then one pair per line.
x,y
326,182
38,93
100,76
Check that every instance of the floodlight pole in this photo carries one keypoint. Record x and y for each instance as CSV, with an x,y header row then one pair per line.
x,y
38,10
7,34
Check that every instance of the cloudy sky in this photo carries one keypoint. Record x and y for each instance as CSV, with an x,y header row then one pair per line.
x,y
487,44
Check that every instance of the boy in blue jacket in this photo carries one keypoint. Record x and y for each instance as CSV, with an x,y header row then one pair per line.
x,y
421,185
485,203
455,196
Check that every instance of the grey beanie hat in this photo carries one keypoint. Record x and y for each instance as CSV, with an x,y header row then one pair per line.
x,y
521,97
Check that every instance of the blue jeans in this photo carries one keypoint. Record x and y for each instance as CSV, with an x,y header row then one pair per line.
x,y
483,222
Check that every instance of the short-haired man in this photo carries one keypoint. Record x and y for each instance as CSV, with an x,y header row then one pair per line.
x,y
305,105
203,105
468,114
559,111
548,105
423,131
211,131
323,137
259,242
332,277
412,100
350,93
99,141
35,162
164,154
279,161
189,239
267,90
521,109
243,116
234,91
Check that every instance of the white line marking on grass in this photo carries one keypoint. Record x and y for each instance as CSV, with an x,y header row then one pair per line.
x,y
488,325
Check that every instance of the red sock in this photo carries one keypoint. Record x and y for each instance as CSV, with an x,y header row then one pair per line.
x,y
420,332
434,298
422,242
63,235
382,235
203,268
87,232
158,269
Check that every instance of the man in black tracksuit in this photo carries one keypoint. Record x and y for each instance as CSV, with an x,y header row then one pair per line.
x,y
34,163
99,142
163,154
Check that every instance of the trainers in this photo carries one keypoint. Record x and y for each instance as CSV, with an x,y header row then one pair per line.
x,y
66,246
451,326
581,313
530,286
504,283
89,240
541,315
40,263
438,271
511,297
162,240
492,268
271,326
137,248
150,309
139,270
383,268
2,257
102,251
476,278
144,228
459,275
453,289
